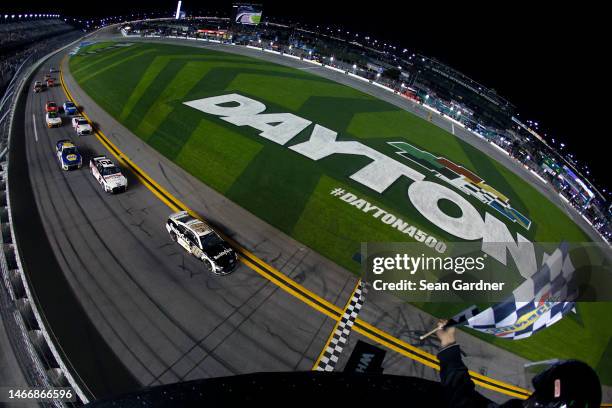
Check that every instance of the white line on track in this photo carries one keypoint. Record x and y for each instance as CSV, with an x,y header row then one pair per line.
x,y
34,125
4,116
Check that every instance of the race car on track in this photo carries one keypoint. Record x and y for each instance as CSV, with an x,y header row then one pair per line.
x,y
81,125
53,119
51,107
108,175
201,241
70,108
50,83
38,86
68,155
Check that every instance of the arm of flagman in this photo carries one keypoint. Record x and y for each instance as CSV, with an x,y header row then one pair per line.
x,y
459,389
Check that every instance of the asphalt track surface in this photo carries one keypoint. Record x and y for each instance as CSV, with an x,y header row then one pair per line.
x,y
129,308
163,316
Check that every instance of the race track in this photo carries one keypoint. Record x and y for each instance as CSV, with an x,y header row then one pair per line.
x,y
164,317
147,313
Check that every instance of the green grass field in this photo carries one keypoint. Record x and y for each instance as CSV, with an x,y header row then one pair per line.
x,y
144,87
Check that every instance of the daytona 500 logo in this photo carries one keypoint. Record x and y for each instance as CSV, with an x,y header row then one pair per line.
x,y
378,175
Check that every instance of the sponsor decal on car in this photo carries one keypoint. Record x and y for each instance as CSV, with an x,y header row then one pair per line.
x,y
222,253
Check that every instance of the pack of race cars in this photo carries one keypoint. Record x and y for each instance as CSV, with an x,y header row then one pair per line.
x,y
67,153
47,82
194,235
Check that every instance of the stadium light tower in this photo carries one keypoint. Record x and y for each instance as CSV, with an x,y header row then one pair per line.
x,y
178,10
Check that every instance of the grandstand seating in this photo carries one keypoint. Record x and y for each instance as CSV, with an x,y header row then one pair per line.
x,y
30,38
19,33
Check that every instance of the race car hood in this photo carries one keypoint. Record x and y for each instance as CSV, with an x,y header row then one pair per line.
x,y
115,180
70,109
223,255
54,120
71,157
84,127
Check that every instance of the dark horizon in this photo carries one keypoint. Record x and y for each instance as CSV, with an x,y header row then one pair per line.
x,y
544,60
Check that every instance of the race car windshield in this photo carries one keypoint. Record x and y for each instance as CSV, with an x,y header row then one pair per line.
x,y
107,171
70,150
210,240
82,122
52,115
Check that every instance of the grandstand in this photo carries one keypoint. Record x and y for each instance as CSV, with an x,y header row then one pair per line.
x,y
19,33
452,85
20,40
21,44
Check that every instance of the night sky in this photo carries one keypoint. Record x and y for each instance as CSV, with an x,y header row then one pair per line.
x,y
546,60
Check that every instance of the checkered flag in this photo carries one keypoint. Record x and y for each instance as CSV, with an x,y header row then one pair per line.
x,y
551,292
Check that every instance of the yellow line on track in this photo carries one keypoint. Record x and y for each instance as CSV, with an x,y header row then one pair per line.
x,y
287,284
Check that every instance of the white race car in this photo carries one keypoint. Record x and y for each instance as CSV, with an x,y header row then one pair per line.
x,y
81,126
53,119
201,241
108,175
